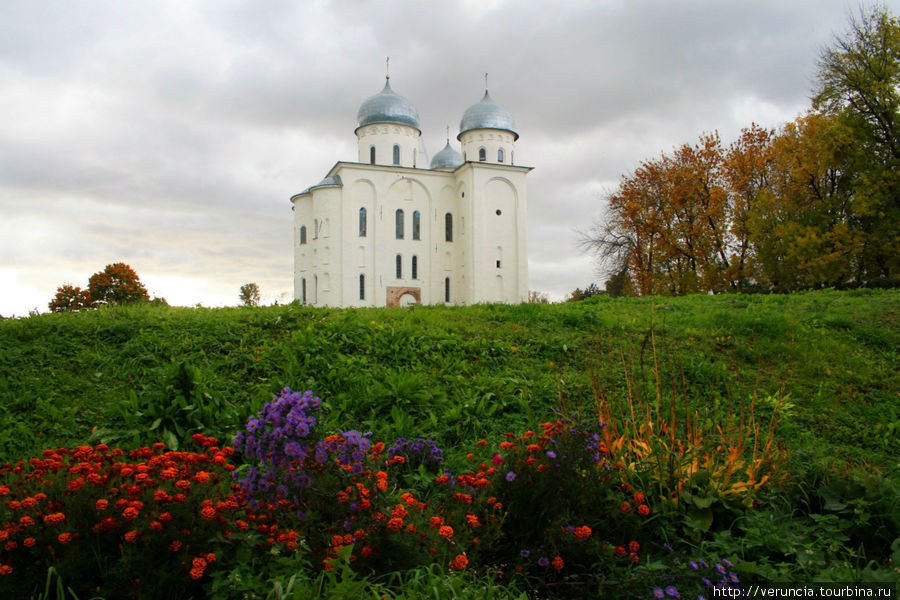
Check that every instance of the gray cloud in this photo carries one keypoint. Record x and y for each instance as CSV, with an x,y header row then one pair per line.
x,y
171,136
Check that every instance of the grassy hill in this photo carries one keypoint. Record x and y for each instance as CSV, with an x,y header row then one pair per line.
x,y
820,364
138,372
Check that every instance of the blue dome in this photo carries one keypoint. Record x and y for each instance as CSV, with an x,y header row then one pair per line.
x,y
487,114
448,158
387,107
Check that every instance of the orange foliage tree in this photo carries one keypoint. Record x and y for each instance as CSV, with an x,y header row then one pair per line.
x,y
69,299
116,284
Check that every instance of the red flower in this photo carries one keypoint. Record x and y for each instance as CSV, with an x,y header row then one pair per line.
x,y
620,551
459,563
634,546
625,507
446,531
638,497
131,536
5,569
583,532
643,510
557,563
64,538
395,524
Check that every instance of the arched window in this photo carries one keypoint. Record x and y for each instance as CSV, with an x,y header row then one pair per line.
x,y
416,225
447,290
303,291
303,234
415,267
499,154
448,227
396,154
398,223
362,222
482,154
371,155
362,287
399,267
315,229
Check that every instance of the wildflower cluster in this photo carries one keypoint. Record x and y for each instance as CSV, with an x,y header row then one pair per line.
x,y
78,509
558,504
415,452
701,579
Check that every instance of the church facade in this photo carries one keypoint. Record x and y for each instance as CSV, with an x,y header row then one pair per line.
x,y
388,231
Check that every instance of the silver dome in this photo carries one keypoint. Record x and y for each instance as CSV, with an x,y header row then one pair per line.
x,y
448,158
487,114
387,107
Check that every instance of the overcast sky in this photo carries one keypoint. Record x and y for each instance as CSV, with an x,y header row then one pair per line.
x,y
170,135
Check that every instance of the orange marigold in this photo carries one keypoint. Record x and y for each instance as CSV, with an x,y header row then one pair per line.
x,y
557,563
436,521
638,497
29,542
208,512
175,546
625,507
446,531
583,532
64,538
5,569
643,510
395,524
131,536
459,563
634,546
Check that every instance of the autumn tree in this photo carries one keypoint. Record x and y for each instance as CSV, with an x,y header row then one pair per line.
x,y
116,284
249,294
69,299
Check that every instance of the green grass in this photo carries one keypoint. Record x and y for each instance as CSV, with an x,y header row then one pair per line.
x,y
451,373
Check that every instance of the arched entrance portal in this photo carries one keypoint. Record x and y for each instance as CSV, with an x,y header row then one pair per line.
x,y
403,296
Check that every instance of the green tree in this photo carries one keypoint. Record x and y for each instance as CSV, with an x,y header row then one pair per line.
x,y
249,294
70,299
116,284
858,82
583,294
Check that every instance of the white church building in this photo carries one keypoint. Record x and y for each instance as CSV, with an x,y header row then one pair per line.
x,y
388,231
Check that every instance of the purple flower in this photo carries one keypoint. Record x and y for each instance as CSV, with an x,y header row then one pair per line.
x,y
525,553
510,476
658,593
551,453
544,561
693,565
671,591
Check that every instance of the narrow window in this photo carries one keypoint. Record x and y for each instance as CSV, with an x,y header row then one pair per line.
x,y
362,287
303,234
500,155
362,222
396,154
447,290
315,289
398,226
315,229
371,155
448,227
482,154
416,225
464,157
415,267
303,290
498,264
399,267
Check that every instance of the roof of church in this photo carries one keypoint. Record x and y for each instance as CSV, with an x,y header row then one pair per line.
x,y
448,158
487,114
387,107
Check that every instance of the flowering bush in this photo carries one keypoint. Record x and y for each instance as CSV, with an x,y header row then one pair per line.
x,y
416,452
123,525
548,506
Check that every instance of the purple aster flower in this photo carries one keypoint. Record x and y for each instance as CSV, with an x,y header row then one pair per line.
x,y
733,577
551,453
693,565
510,476
671,591
544,561
525,553
658,593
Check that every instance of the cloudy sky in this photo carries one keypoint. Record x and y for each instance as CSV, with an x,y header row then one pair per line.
x,y
170,135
